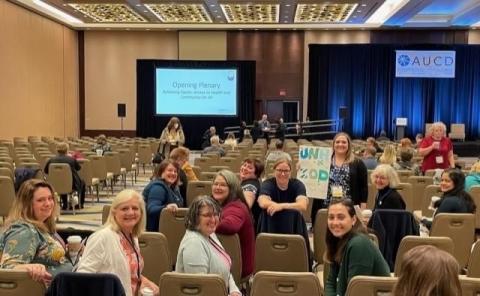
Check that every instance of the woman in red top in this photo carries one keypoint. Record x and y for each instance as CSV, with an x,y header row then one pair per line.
x,y
236,217
436,149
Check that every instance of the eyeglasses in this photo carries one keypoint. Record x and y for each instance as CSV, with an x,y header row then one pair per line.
x,y
209,215
283,171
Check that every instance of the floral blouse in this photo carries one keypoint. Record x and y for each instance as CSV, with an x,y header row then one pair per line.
x,y
23,243
339,176
135,262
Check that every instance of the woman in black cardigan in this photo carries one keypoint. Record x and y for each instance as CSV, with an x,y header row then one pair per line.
x,y
348,176
385,179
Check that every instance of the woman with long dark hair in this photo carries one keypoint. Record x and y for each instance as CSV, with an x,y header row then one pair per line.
x,y
350,252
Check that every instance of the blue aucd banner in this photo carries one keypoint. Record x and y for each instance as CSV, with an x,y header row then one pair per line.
x,y
425,63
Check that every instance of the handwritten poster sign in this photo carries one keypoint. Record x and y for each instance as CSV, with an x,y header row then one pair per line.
x,y
314,169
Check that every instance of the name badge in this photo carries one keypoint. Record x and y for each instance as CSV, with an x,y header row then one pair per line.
x,y
439,159
337,191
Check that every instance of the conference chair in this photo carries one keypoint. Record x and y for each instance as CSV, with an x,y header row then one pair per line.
x,y
114,166
470,286
6,172
127,162
460,228
457,131
99,170
473,267
105,213
475,193
409,242
17,283
60,177
86,174
281,252
232,162
404,175
406,191
144,155
428,193
196,188
156,255
370,285
207,176
269,283
218,168
372,194
205,163
419,183
172,225
7,195
185,284
319,234
231,244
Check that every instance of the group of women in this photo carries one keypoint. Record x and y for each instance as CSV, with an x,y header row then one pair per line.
x,y
30,241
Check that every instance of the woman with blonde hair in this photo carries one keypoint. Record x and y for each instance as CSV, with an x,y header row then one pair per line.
x,y
385,179
436,149
115,249
230,141
389,155
427,271
30,241
172,136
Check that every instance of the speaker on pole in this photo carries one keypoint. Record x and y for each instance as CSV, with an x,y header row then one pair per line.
x,y
122,110
343,112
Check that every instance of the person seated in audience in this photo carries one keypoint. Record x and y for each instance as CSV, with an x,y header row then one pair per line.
x,y
210,132
172,136
102,145
200,251
265,127
114,248
180,155
385,179
162,192
473,178
281,130
278,153
371,142
230,141
77,184
349,250
405,143
436,149
383,136
247,136
454,199
282,192
250,172
369,158
389,155
405,162
214,147
30,241
243,128
427,271
256,131
236,217
418,140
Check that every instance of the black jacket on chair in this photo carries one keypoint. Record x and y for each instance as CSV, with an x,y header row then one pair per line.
x,y
81,284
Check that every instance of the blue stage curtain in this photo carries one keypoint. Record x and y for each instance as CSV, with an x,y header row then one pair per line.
x,y
362,77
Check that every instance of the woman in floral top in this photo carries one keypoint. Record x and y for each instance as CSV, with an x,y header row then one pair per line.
x,y
30,241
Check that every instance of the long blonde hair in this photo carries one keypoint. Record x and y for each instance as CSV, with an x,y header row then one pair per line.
x,y
22,208
124,196
389,155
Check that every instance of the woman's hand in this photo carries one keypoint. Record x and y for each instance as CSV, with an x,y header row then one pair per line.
x,y
236,293
37,272
273,208
172,207
149,284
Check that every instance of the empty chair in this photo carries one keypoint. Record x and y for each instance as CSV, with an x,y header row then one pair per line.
x,y
6,172
370,285
430,190
19,283
457,131
207,176
281,252
99,169
460,228
114,166
406,191
86,174
419,183
156,255
7,195
475,193
172,225
60,177
105,213
231,244
473,268
144,155
196,188
285,284
184,284
470,286
409,242
319,234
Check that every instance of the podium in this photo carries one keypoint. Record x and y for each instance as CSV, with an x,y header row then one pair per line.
x,y
400,126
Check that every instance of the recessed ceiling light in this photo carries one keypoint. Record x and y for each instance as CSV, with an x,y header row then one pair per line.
x,y
287,5
212,5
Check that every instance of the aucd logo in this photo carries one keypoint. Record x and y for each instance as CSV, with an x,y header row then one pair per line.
x,y
403,60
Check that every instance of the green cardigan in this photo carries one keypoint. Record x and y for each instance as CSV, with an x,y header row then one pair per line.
x,y
361,257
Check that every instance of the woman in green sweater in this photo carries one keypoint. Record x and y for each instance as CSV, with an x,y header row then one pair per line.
x,y
349,250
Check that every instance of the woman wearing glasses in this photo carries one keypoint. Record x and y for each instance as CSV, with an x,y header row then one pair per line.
x,y
281,192
200,250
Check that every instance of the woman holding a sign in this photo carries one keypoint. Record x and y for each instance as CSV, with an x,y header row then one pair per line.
x,y
348,177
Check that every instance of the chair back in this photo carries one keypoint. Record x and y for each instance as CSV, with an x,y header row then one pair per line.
x,y
419,183
7,195
475,193
196,188
19,283
430,190
281,252
410,241
112,160
470,286
207,176
185,284
285,284
105,213
460,228
85,172
144,154
231,244
6,172
370,285
60,177
156,255
99,167
172,225
406,191
404,175
372,193
319,234
473,267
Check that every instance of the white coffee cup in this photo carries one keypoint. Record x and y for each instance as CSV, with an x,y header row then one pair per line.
x,y
146,291
74,243
99,152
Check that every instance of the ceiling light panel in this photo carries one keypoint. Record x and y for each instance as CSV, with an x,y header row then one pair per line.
x,y
109,13
324,13
180,13
251,13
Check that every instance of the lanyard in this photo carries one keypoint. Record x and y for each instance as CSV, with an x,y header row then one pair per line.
x,y
381,198
130,241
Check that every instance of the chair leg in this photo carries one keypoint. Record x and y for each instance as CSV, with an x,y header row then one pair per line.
x,y
98,197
